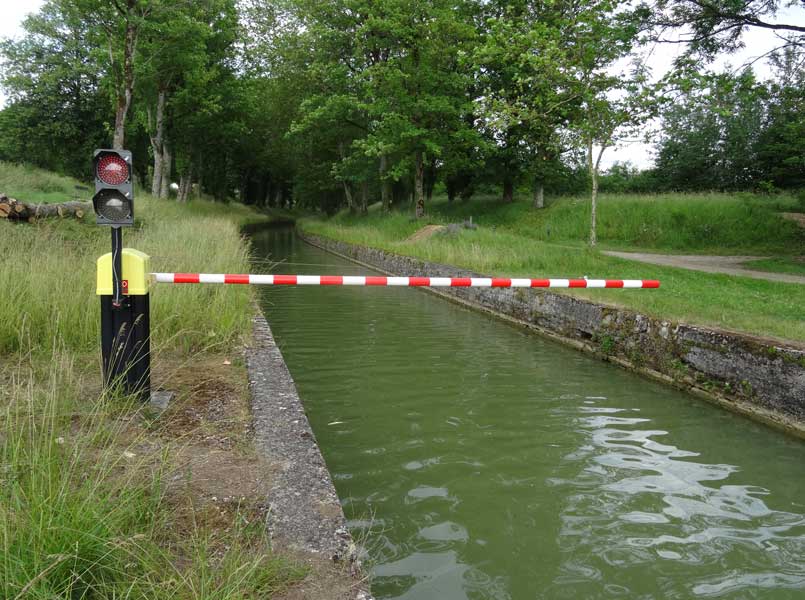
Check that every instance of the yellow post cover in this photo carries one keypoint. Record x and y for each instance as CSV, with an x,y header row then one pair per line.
x,y
136,273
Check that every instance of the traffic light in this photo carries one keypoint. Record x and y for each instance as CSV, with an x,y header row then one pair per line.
x,y
113,201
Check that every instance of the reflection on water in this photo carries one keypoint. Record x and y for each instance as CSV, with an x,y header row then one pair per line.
x,y
479,462
637,503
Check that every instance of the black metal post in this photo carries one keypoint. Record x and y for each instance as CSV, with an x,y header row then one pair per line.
x,y
117,266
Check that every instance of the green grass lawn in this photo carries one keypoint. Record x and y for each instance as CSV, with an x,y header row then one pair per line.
x,y
670,223
31,184
504,246
793,265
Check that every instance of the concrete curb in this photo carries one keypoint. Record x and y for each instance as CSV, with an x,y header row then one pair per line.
x,y
763,379
304,511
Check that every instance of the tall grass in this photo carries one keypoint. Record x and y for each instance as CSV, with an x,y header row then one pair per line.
x,y
72,522
84,515
85,511
48,277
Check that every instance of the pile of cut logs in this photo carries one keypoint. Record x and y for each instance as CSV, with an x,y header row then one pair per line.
x,y
10,208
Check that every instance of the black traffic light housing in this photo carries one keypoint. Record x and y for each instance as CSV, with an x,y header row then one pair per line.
x,y
113,201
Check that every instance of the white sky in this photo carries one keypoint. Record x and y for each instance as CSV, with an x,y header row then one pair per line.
x,y
12,12
757,43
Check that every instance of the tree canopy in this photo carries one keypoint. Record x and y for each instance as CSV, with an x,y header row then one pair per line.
x,y
346,103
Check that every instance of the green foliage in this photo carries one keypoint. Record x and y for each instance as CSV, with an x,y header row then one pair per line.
x,y
58,112
716,27
333,104
710,134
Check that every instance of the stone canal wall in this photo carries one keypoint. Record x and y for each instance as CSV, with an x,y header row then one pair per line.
x,y
304,511
762,378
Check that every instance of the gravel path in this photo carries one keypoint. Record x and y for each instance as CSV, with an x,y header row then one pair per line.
x,y
729,265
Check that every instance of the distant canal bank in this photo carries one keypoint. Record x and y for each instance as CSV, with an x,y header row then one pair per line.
x,y
478,461
762,378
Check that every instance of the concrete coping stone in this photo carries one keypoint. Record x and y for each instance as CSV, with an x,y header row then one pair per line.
x,y
304,512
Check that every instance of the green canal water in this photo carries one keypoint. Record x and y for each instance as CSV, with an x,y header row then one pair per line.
x,y
478,461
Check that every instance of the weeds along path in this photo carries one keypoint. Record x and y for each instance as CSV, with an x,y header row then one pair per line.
x,y
729,265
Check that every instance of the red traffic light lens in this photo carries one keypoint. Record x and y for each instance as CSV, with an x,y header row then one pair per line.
x,y
112,170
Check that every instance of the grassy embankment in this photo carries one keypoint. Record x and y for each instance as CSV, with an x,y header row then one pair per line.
x,y
98,498
515,240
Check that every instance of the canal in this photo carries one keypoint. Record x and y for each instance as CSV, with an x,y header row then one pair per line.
x,y
475,460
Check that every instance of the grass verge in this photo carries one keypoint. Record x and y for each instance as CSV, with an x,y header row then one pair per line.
x,y
31,184
746,305
93,501
793,265
48,278
99,498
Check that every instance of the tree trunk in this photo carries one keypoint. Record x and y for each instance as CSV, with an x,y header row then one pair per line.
x,y
185,185
348,196
594,166
364,197
508,191
539,194
125,90
167,166
430,181
16,210
156,144
270,193
386,196
344,182
419,186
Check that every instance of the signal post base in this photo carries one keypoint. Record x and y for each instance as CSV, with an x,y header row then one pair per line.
x,y
126,327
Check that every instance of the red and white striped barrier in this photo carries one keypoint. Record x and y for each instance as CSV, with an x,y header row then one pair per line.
x,y
496,282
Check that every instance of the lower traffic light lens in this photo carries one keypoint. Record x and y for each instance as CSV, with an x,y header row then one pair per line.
x,y
112,206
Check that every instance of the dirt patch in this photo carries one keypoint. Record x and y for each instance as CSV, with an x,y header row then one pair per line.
x,y
798,218
220,482
211,407
327,581
427,232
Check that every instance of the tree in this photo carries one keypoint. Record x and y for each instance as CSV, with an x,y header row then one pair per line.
x,y
536,62
388,88
173,46
57,105
780,145
414,92
117,25
612,109
711,132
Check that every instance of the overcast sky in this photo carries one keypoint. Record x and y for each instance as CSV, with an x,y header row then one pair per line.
x,y
758,42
